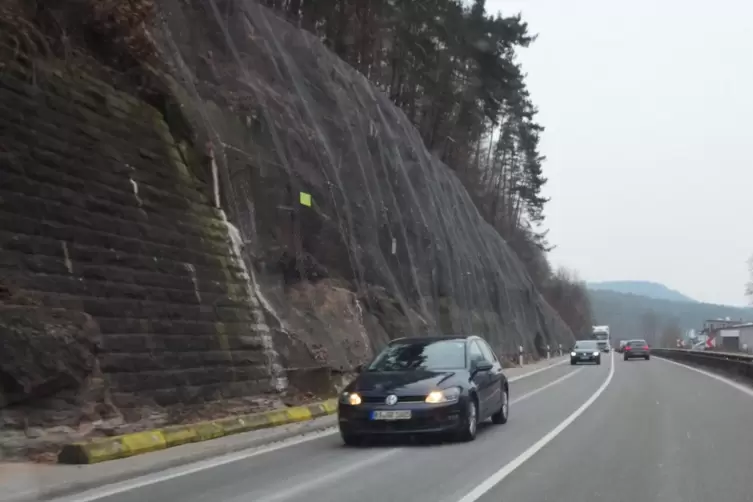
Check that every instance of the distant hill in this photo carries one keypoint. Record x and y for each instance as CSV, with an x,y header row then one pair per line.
x,y
634,316
642,288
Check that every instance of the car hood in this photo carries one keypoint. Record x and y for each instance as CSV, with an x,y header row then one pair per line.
x,y
402,382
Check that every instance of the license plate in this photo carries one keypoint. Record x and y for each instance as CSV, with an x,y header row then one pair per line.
x,y
391,415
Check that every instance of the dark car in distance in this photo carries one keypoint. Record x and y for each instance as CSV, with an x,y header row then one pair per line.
x,y
444,385
585,351
636,349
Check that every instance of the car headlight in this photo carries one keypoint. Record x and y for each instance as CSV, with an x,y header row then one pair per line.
x,y
573,353
596,353
443,396
351,398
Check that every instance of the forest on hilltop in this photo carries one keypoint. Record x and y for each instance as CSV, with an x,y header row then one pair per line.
x,y
452,69
660,321
642,288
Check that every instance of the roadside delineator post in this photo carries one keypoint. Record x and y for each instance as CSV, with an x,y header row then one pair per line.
x,y
520,355
560,349
547,352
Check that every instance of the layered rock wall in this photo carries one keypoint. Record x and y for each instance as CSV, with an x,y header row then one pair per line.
x,y
113,259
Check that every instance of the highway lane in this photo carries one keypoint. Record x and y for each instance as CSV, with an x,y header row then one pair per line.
x,y
637,430
660,433
323,470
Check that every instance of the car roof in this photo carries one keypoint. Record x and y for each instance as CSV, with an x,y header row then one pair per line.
x,y
434,338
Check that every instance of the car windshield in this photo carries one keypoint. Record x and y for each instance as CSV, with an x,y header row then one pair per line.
x,y
602,344
418,355
637,343
586,345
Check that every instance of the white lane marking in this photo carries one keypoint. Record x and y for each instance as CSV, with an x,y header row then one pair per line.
x,y
507,469
530,373
742,388
553,382
300,488
176,472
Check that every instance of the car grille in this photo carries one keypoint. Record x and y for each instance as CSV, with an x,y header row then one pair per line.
x,y
414,424
378,399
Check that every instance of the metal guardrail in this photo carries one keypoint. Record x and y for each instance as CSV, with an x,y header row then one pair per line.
x,y
731,363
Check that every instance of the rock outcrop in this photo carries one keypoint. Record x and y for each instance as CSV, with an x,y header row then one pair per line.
x,y
287,118
125,304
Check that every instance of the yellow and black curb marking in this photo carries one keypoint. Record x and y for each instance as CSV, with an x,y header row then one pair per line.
x,y
128,445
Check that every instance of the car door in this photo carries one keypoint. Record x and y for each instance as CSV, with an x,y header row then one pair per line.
x,y
495,376
481,379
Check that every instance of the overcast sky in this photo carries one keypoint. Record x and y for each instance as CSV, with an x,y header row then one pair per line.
x,y
648,108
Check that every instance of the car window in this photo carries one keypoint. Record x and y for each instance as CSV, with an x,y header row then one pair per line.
x,y
487,351
475,352
420,355
586,344
638,343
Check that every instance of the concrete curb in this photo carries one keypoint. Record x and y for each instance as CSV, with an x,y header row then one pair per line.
x,y
128,445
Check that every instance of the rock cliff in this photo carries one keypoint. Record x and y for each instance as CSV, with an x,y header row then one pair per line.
x,y
254,220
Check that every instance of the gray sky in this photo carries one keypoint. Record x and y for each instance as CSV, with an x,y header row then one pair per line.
x,y
648,108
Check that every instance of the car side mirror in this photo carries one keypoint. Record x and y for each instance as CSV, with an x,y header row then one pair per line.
x,y
482,366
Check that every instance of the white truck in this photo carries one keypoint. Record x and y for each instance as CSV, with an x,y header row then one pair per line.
x,y
601,334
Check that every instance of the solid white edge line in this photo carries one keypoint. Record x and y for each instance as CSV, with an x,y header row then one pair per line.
x,y
742,388
176,472
544,387
534,372
508,469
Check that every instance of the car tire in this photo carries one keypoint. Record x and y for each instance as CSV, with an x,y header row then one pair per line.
x,y
351,439
572,362
500,417
625,358
648,357
469,424
598,362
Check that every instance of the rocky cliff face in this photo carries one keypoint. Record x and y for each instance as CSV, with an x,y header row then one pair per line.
x,y
122,300
258,222
389,224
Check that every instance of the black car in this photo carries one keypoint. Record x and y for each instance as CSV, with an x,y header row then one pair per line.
x,y
422,385
636,349
585,351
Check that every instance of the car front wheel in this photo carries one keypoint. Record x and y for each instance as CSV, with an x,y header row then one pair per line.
x,y
501,416
351,439
469,425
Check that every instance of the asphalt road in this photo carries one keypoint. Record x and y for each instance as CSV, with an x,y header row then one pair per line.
x,y
627,431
